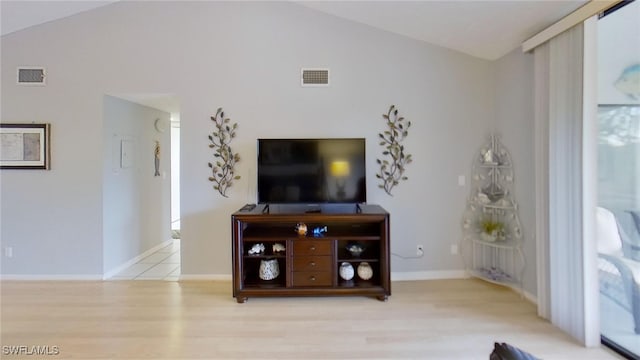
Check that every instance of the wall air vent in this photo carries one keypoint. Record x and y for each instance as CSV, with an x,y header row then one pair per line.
x,y
30,75
315,77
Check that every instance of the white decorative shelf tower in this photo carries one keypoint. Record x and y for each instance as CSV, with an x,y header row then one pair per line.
x,y
491,226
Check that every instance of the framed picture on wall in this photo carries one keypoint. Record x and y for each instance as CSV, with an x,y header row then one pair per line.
x,y
25,146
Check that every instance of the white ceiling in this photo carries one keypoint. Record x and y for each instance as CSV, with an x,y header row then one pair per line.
x,y
485,29
21,14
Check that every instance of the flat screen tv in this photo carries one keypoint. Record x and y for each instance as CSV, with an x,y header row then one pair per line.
x,y
311,171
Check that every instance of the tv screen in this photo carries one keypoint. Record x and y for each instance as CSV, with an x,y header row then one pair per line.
x,y
311,171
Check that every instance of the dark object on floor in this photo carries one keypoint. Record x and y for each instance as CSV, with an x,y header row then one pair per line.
x,y
505,351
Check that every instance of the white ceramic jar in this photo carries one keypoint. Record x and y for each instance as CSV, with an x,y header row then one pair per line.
x,y
269,269
346,271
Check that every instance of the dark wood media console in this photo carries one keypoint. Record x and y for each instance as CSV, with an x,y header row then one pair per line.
x,y
309,265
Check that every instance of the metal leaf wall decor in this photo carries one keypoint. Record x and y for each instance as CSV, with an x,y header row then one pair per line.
x,y
223,167
394,161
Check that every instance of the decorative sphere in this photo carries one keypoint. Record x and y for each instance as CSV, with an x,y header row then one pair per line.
x,y
346,271
365,272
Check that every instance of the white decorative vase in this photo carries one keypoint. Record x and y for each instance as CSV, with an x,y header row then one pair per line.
x,y
269,269
346,271
365,272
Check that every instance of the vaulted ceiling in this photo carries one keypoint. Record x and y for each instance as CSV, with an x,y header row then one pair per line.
x,y
485,29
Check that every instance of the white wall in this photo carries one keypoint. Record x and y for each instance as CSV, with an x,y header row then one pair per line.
x,y
515,123
52,219
175,177
136,203
246,58
442,92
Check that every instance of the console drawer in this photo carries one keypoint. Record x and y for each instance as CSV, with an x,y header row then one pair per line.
x,y
311,247
312,263
312,278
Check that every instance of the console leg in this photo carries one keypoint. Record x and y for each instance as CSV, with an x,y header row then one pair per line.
x,y
383,297
241,299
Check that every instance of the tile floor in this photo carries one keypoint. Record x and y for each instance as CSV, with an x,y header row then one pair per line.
x,y
163,264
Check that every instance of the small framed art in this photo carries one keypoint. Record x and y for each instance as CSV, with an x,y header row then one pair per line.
x,y
25,146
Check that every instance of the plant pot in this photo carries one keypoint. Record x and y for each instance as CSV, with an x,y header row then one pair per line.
x,y
489,237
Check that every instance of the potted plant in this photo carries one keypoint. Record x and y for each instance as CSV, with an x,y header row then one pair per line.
x,y
491,230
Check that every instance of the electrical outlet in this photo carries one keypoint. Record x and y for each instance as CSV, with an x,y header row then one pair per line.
x,y
419,250
454,249
8,251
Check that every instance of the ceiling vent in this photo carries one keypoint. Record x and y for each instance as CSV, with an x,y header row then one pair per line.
x,y
30,75
315,77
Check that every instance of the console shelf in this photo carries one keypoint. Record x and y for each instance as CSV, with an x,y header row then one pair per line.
x,y
496,257
309,265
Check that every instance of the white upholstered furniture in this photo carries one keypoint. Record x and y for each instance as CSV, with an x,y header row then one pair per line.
x,y
619,275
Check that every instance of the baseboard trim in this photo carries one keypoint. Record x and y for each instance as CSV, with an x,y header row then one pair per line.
x,y
207,277
395,276
529,296
19,277
429,275
125,265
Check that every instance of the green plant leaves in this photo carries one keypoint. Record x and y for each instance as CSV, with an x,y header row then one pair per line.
x,y
223,173
391,171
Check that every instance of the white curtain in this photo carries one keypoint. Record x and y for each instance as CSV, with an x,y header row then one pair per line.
x,y
541,142
563,281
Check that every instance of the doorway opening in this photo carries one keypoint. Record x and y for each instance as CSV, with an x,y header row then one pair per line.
x,y
142,234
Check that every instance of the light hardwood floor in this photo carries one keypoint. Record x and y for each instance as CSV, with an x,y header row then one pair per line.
x,y
453,319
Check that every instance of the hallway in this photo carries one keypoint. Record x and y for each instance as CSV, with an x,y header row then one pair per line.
x,y
163,264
